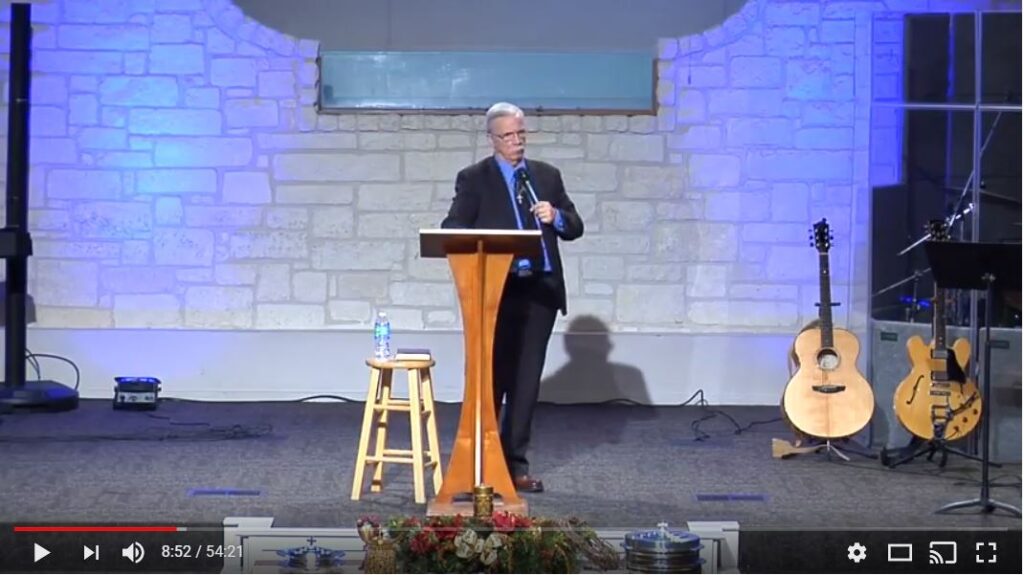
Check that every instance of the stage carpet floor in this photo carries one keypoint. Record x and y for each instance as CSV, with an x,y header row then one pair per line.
x,y
615,466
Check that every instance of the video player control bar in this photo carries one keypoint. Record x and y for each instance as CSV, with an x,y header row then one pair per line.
x,y
114,548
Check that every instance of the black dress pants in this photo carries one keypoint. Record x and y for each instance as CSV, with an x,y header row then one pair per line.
x,y
526,317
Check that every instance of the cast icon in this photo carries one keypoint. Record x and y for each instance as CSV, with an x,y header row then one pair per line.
x,y
942,553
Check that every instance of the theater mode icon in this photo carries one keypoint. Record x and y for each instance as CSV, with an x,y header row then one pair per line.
x,y
900,552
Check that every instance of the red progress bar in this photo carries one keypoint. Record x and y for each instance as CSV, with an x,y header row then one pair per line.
x,y
96,529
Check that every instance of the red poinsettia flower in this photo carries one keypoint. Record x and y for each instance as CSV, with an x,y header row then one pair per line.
x,y
449,532
422,543
522,522
504,522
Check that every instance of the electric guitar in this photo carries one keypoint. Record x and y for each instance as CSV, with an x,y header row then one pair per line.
x,y
827,397
936,400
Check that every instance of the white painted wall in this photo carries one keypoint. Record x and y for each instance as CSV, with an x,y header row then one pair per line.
x,y
283,365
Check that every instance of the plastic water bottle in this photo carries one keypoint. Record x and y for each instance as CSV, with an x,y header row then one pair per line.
x,y
382,337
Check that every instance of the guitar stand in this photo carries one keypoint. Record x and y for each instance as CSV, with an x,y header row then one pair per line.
x,y
830,449
849,446
782,449
930,448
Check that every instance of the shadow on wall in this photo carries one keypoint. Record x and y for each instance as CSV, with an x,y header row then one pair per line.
x,y
588,376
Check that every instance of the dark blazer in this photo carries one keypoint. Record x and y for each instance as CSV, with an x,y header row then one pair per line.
x,y
482,201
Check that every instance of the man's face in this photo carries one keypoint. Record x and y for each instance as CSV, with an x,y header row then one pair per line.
x,y
508,134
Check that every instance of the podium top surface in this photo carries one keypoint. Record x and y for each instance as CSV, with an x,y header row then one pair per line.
x,y
438,243
963,265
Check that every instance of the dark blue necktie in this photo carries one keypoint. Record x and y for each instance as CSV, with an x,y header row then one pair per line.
x,y
523,201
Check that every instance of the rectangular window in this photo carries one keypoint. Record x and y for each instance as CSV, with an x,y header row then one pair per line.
x,y
620,82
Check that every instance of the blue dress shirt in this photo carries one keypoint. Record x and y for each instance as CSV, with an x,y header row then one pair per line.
x,y
508,173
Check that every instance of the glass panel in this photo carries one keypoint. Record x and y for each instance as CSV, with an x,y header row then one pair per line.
x,y
1000,206
932,152
475,80
1001,61
923,58
940,58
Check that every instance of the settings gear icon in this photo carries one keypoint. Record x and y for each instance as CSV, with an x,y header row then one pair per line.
x,y
857,552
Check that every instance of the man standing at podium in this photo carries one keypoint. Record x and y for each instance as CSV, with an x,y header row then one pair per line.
x,y
507,191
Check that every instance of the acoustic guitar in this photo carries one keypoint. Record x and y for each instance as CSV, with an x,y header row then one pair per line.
x,y
936,400
827,397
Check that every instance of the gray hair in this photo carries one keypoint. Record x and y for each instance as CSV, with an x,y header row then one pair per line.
x,y
501,110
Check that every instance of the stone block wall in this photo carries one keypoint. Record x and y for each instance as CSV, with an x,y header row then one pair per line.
x,y
182,177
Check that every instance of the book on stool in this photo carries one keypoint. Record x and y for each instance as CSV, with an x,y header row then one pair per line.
x,y
412,354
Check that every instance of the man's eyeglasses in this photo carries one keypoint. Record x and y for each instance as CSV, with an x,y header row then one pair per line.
x,y
508,136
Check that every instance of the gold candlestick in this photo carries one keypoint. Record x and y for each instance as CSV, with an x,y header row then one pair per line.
x,y
483,501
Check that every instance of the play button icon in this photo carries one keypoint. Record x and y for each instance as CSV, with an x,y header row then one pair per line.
x,y
39,552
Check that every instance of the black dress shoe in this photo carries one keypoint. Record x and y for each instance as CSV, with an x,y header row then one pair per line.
x,y
528,484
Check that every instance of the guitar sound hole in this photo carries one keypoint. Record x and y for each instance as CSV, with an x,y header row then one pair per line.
x,y
828,359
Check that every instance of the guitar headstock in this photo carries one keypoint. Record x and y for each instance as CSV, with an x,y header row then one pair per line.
x,y
938,230
821,236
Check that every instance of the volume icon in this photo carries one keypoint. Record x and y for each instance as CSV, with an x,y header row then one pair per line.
x,y
134,552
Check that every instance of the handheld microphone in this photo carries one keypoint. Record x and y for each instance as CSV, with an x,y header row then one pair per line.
x,y
523,182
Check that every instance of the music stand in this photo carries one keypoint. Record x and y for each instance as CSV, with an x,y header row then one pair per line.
x,y
988,267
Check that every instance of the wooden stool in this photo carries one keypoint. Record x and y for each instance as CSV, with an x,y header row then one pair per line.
x,y
420,406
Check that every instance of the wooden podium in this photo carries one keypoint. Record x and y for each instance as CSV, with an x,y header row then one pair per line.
x,y
480,262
